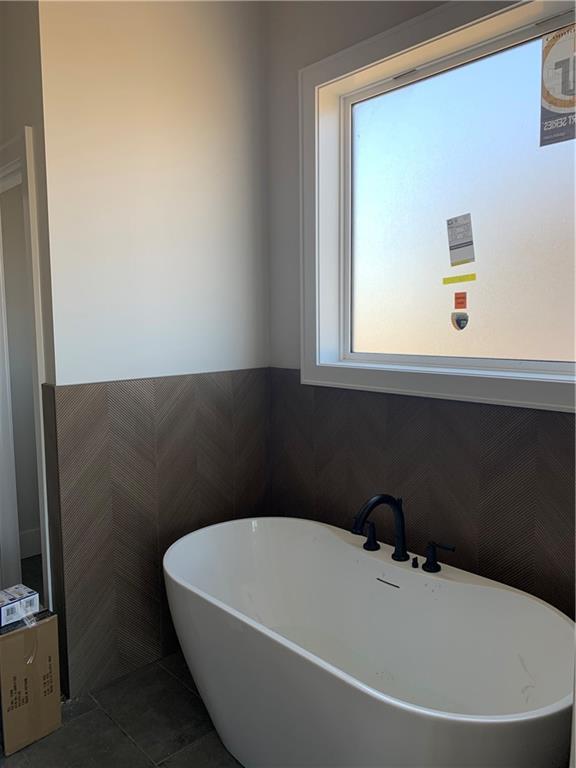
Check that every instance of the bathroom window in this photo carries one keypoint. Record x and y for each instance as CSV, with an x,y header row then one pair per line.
x,y
459,153
440,257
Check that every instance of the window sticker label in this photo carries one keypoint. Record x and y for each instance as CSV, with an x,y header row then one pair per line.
x,y
459,320
460,240
558,102
459,279
461,300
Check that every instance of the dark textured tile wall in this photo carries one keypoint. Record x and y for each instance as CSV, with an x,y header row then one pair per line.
x,y
496,482
139,464
134,465
55,527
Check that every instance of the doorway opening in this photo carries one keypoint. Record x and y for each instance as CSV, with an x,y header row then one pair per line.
x,y
24,545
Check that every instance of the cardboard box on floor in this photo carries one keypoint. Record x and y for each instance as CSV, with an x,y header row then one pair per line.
x,y
29,682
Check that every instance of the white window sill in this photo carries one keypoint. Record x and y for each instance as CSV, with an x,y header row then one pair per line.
x,y
529,390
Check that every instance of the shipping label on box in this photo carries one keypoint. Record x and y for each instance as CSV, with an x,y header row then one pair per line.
x,y
29,683
10,610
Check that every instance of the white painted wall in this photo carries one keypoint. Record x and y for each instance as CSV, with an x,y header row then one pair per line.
x,y
155,151
172,158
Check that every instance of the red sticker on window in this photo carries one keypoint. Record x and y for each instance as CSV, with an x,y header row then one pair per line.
x,y
460,300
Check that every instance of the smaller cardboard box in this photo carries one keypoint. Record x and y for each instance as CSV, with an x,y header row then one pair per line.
x,y
16,603
29,681
28,599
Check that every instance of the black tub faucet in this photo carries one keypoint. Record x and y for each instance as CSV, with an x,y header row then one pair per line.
x,y
395,505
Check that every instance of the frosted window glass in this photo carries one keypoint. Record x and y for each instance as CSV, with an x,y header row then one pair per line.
x,y
464,141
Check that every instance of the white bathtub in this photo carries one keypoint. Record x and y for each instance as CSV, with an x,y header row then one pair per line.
x,y
309,651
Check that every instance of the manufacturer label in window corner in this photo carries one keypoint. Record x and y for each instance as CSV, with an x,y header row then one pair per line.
x,y
558,99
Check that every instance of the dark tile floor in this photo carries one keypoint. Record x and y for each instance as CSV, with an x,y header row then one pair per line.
x,y
152,717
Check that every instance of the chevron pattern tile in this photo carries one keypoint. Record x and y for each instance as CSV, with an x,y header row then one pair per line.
x,y
368,434
496,482
55,526
331,455
251,435
214,439
407,450
140,464
175,416
554,529
508,498
292,477
83,436
135,522
176,450
455,483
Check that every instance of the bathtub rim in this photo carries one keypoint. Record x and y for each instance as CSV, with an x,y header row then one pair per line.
x,y
551,709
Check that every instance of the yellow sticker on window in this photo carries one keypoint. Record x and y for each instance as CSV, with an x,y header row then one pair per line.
x,y
459,278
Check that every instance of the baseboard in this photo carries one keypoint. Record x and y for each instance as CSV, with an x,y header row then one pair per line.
x,y
30,543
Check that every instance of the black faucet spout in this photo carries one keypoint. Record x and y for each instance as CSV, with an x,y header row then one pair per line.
x,y
395,505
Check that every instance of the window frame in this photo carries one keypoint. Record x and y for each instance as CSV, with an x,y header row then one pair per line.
x,y
449,36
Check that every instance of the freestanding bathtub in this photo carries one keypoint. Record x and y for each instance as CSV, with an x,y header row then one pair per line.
x,y
309,651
